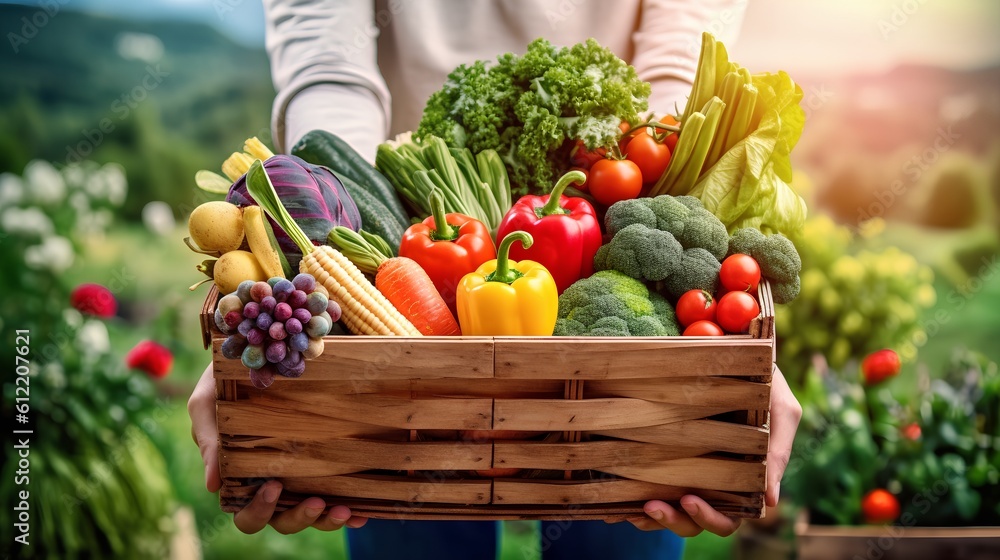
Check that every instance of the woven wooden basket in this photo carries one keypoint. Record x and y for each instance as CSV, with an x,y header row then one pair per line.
x,y
382,424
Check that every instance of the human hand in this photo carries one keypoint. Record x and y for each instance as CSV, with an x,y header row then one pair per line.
x,y
260,511
697,515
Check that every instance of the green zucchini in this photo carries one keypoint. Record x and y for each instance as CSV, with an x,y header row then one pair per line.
x,y
320,147
375,217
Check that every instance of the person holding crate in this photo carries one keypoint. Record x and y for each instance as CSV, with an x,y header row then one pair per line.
x,y
363,71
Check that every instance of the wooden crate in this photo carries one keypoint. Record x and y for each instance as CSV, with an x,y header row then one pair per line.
x,y
375,424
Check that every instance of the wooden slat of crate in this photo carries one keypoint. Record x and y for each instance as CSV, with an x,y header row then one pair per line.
x,y
449,388
411,491
592,414
602,358
698,472
372,358
237,418
719,436
286,458
384,509
590,455
388,411
700,391
564,492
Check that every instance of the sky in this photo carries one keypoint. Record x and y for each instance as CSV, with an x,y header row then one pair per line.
x,y
800,36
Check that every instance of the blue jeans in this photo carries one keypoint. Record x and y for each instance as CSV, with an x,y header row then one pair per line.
x,y
477,540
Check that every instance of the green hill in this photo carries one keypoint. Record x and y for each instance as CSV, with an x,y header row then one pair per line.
x,y
69,94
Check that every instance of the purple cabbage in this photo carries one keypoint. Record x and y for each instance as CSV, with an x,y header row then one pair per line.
x,y
313,196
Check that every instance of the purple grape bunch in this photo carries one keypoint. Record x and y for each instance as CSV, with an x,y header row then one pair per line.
x,y
275,326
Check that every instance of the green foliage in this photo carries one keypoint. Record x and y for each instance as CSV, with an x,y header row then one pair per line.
x,y
610,303
853,439
97,484
853,300
778,260
209,95
527,107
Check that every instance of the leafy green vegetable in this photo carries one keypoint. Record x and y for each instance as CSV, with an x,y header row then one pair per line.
x,y
527,107
736,138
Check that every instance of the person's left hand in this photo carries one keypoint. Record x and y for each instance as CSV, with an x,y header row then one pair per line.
x,y
697,515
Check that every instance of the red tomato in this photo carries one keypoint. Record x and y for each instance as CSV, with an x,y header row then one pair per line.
x,y
649,155
583,158
879,506
612,180
911,431
879,366
695,305
671,139
703,328
740,273
735,311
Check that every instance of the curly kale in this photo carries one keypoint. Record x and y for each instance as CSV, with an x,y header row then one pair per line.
x,y
778,260
530,107
609,303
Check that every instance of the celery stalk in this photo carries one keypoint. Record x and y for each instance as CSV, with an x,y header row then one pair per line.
x,y
731,86
692,168
740,127
685,145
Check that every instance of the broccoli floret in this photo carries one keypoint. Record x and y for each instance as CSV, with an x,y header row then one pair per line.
x,y
684,217
779,261
640,252
610,303
698,270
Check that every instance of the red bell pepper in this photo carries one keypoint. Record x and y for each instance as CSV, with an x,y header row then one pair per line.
x,y
447,247
566,231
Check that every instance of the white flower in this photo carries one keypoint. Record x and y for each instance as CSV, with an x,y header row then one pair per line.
x,y
11,189
74,175
95,185
72,317
47,185
53,375
158,217
92,338
115,183
55,253
26,221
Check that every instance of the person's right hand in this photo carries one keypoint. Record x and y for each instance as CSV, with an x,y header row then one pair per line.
x,y
260,511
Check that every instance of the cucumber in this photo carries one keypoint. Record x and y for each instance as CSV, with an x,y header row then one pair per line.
x,y
375,217
320,147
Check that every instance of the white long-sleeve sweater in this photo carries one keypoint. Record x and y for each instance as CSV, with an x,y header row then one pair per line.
x,y
364,69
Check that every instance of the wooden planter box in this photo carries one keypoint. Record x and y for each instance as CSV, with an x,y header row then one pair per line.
x,y
376,423
895,542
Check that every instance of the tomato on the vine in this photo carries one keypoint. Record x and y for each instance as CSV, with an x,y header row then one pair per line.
x,y
649,155
612,180
694,306
583,158
703,328
740,273
735,311
880,506
880,365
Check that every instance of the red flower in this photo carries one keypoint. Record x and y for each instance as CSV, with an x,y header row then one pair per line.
x,y
152,358
94,299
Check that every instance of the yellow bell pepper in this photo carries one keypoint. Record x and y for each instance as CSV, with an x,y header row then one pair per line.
x,y
507,298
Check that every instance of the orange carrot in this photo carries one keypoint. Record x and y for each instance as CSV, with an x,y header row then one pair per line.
x,y
401,280
412,293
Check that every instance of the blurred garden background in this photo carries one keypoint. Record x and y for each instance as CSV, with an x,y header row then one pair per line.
x,y
107,109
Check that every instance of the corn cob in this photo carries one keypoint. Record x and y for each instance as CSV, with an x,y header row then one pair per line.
x,y
365,309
